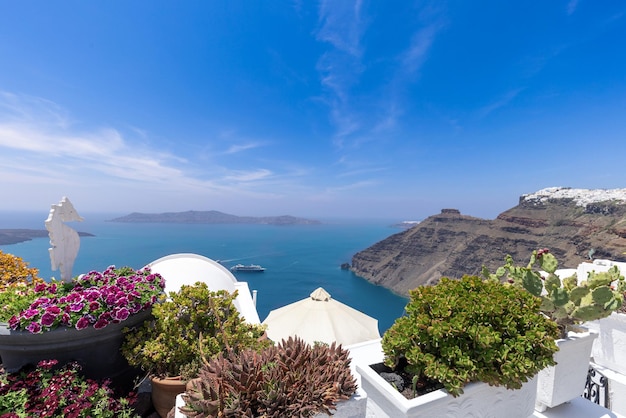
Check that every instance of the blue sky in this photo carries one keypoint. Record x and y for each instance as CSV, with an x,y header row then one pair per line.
x,y
379,109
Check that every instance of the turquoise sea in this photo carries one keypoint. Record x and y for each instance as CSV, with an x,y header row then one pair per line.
x,y
298,259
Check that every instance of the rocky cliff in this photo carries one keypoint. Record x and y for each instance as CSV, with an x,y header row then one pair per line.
x,y
575,224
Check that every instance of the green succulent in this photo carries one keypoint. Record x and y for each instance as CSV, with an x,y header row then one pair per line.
x,y
566,301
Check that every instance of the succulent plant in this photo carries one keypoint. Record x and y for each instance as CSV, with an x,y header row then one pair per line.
x,y
566,301
292,379
471,329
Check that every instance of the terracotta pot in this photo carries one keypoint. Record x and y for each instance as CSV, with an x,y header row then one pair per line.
x,y
164,392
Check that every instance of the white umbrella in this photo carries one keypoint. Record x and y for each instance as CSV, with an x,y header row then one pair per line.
x,y
321,318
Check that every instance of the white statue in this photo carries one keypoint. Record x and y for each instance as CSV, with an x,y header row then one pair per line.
x,y
64,240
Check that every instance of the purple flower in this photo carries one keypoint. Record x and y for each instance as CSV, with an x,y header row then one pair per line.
x,y
77,307
82,323
122,300
54,310
40,287
14,322
94,306
91,294
29,313
34,328
47,319
101,323
47,364
121,314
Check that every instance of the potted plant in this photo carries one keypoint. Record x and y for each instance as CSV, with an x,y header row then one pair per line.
x,y
461,346
80,320
168,347
568,304
46,390
292,379
609,349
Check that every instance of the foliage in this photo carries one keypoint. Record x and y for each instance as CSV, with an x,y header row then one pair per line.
x,y
292,379
566,301
466,330
94,299
62,393
15,271
189,321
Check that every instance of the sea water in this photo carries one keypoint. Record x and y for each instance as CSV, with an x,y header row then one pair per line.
x,y
298,258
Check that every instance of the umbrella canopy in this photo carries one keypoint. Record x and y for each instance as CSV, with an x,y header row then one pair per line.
x,y
319,318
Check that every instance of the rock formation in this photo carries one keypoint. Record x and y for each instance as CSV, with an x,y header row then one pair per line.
x,y
575,224
211,217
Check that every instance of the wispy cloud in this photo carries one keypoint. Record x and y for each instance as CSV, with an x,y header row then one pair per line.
x,y
571,6
247,176
341,26
414,57
43,152
502,101
234,149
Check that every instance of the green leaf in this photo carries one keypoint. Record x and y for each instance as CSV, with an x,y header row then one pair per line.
x,y
532,282
602,295
559,297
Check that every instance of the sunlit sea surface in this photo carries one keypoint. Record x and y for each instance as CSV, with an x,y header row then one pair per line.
x,y
298,259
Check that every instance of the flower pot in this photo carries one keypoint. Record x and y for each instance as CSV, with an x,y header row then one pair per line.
x,y
566,380
609,349
96,350
478,400
164,392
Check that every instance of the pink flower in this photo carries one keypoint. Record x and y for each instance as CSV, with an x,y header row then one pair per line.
x,y
29,313
47,364
76,307
40,287
121,314
100,323
82,323
47,319
54,310
122,300
34,328
94,306
14,322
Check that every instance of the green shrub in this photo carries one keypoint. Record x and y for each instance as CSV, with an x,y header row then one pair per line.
x,y
191,322
460,331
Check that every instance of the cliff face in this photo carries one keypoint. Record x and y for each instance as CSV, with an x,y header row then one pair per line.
x,y
570,222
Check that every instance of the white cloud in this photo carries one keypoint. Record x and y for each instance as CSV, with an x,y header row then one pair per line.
x,y
233,149
571,6
414,57
499,103
246,176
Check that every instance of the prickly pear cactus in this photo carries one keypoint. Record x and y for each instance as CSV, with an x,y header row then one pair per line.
x,y
568,302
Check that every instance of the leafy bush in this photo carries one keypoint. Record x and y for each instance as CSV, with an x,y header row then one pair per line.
x,y
62,393
460,331
190,320
15,271
292,379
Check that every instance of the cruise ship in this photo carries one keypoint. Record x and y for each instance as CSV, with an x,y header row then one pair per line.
x,y
249,267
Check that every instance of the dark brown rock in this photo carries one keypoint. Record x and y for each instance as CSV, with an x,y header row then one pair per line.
x,y
451,244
